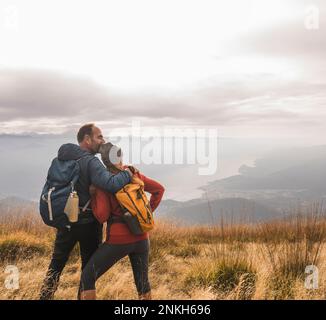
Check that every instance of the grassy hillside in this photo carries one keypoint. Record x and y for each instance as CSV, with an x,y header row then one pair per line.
x,y
238,261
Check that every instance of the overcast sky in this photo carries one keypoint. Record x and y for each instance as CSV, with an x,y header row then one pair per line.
x,y
250,68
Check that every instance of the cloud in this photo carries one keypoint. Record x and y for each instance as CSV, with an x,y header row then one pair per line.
x,y
42,98
27,94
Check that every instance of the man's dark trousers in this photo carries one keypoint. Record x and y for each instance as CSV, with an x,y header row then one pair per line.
x,y
89,236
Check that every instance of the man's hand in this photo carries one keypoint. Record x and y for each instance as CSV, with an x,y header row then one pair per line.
x,y
133,169
134,178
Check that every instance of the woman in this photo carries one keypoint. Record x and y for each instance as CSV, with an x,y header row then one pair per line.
x,y
120,242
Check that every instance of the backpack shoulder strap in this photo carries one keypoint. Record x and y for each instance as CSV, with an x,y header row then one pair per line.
x,y
90,157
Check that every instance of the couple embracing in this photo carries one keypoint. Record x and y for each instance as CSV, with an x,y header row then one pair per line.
x,y
97,186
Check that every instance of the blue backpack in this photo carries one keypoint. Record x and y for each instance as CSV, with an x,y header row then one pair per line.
x,y
60,182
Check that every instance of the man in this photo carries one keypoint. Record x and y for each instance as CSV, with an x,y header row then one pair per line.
x,y
87,231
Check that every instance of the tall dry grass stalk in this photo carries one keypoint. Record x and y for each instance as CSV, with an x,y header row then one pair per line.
x,y
290,246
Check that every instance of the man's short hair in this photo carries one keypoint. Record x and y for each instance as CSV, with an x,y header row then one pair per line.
x,y
86,129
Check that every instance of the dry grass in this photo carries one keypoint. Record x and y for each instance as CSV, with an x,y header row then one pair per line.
x,y
226,261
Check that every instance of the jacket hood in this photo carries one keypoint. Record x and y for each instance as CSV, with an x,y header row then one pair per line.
x,y
70,151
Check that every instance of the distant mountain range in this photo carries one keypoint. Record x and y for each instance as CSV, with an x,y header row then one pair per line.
x,y
272,187
206,212
297,173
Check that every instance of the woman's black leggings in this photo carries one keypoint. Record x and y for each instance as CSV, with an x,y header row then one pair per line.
x,y
108,254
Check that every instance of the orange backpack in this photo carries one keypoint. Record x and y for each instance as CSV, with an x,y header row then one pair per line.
x,y
137,212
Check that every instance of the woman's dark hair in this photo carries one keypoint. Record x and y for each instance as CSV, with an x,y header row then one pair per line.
x,y
111,155
86,129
